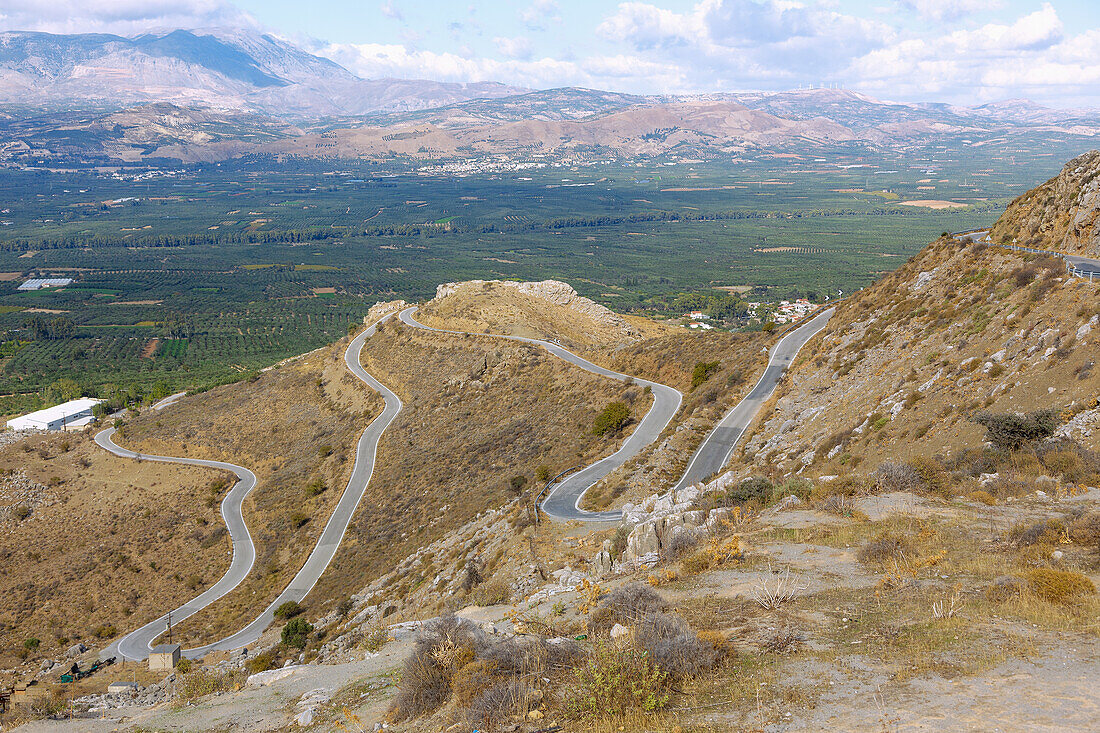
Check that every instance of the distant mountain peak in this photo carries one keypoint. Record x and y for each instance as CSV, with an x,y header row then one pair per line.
x,y
221,68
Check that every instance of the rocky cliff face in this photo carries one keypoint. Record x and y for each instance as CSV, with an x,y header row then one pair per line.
x,y
1063,214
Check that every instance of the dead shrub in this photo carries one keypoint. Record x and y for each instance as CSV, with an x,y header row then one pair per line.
x,y
423,688
491,593
898,477
442,648
1058,586
627,605
783,640
674,646
496,705
697,562
850,485
1043,532
982,497
681,544
933,473
884,549
474,679
1085,530
839,504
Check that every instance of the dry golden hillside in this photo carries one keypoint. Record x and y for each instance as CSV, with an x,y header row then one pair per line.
x,y
92,543
904,366
636,346
1062,214
295,427
478,412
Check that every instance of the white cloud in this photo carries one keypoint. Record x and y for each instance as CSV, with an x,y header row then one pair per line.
x,y
748,42
939,10
623,72
126,17
514,48
539,13
392,11
1031,57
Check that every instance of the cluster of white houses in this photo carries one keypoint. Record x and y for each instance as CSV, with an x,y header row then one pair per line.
x,y
72,415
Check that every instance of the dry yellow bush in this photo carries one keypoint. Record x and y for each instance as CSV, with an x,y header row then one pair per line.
x,y
1058,586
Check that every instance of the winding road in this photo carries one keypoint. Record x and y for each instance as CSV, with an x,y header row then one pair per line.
x,y
137,644
563,500
715,451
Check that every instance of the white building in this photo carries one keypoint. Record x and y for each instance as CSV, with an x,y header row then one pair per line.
x,y
45,282
58,417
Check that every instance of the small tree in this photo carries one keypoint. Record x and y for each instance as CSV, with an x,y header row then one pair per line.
x,y
1010,432
542,473
31,644
296,632
289,609
517,482
702,372
611,419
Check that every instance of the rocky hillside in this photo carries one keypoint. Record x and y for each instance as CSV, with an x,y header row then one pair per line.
x,y
905,366
1062,215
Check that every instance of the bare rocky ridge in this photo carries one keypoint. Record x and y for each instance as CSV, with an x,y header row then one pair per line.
x,y
1063,214
552,291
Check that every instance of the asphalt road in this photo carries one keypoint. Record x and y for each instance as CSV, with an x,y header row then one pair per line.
x,y
1084,267
563,500
714,453
137,644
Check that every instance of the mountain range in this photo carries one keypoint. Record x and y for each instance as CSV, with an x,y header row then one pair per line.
x,y
206,95
227,70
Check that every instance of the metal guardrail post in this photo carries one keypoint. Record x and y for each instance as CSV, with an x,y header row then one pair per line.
x,y
551,482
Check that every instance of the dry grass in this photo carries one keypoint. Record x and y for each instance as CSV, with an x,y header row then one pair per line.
x,y
113,545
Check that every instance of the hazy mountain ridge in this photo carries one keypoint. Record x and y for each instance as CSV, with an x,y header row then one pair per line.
x,y
221,69
239,80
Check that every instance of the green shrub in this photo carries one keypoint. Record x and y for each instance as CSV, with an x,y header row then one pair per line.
x,y
183,666
1010,432
296,632
611,419
316,487
290,609
206,682
614,681
756,488
31,644
261,663
702,372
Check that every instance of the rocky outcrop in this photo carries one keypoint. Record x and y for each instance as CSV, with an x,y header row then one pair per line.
x,y
1063,214
552,291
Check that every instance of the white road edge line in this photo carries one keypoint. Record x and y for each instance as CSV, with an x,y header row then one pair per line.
x,y
127,453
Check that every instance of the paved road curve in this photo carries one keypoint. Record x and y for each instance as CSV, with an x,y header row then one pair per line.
x,y
137,644
563,500
716,449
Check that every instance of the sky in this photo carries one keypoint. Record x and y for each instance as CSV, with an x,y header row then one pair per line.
x,y
959,51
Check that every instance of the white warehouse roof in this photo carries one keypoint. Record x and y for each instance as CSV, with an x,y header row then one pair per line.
x,y
53,417
45,282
